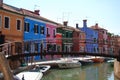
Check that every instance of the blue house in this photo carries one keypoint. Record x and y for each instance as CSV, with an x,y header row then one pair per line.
x,y
91,38
34,33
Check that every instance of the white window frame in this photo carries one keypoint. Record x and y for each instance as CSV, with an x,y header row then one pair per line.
x,y
27,29
37,29
42,33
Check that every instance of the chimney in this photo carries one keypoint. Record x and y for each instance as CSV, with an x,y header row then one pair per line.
x,y
85,23
1,3
37,12
96,25
77,25
65,23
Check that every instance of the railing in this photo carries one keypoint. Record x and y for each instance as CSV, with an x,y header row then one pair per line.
x,y
15,50
11,48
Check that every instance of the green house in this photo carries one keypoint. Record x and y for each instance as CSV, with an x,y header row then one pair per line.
x,y
67,35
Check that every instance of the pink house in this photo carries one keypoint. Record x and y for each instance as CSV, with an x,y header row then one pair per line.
x,y
51,39
102,38
105,41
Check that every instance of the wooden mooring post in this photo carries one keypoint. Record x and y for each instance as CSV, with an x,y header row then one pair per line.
x,y
5,68
117,66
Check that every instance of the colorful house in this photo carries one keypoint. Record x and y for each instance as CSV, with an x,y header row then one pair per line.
x,y
34,33
51,39
59,42
91,38
100,36
105,41
82,41
11,23
78,40
67,35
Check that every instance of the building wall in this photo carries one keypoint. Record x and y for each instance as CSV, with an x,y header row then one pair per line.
x,y
82,43
50,38
67,40
11,33
105,44
91,37
76,39
31,35
100,41
31,38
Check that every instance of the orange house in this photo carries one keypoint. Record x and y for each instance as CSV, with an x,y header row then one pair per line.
x,y
11,25
11,22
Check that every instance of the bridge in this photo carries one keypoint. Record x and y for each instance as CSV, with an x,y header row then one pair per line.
x,y
13,52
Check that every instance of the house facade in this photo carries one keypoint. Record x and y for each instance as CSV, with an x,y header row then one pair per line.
x,y
11,23
78,40
67,35
91,38
51,39
100,37
11,26
34,33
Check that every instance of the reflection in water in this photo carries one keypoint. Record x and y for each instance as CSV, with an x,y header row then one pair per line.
x,y
101,71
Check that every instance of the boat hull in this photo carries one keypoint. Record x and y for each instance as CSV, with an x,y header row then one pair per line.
x,y
30,75
98,60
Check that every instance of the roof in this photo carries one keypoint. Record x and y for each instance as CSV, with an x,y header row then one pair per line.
x,y
11,8
96,27
25,12
32,14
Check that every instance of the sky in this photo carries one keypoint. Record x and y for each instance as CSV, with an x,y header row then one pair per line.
x,y
104,12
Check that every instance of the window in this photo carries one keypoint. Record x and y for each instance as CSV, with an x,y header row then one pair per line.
x,y
27,47
36,47
18,24
47,31
41,30
95,40
54,33
7,20
77,34
48,35
67,34
70,34
54,47
35,28
27,25
0,21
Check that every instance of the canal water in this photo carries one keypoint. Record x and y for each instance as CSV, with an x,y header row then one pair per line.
x,y
99,71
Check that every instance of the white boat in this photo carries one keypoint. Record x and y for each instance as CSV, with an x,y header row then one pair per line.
x,y
42,68
30,75
68,63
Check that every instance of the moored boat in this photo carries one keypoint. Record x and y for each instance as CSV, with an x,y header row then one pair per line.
x,y
42,68
30,75
97,59
68,63
86,61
